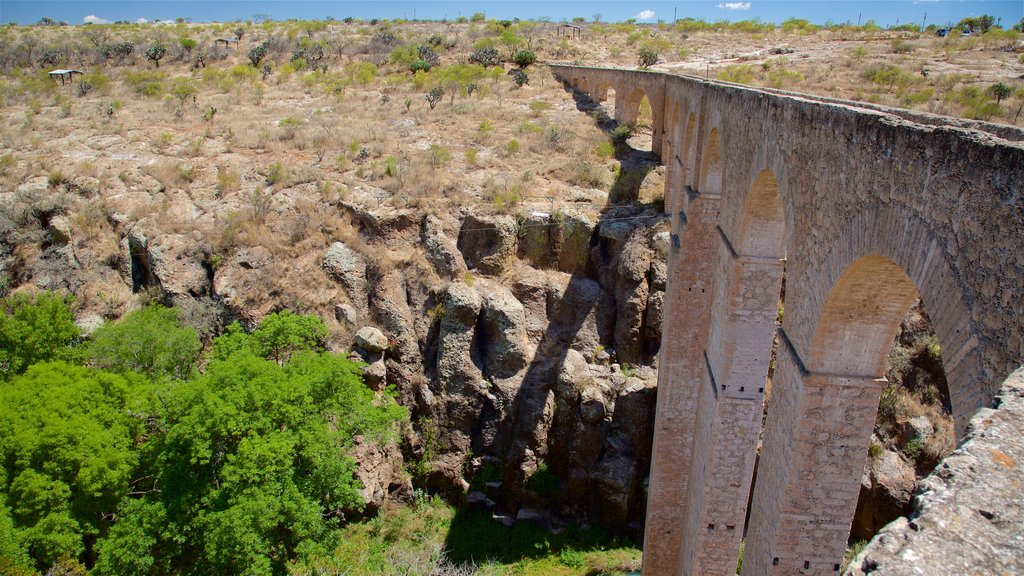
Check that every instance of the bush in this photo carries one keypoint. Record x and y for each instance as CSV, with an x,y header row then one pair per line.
x,y
520,77
149,341
257,53
434,96
524,58
647,57
155,52
276,173
485,57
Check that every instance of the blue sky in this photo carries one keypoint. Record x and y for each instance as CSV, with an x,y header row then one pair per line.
x,y
884,12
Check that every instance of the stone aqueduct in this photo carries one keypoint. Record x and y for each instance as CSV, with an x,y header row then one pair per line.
x,y
863,209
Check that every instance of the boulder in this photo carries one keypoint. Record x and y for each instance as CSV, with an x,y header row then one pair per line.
x,y
577,230
375,374
532,288
967,516
615,480
173,262
455,366
371,339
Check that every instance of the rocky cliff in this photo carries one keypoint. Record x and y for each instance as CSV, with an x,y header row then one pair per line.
x,y
968,515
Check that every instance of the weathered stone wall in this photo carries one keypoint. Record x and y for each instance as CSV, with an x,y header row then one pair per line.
x,y
968,515
879,206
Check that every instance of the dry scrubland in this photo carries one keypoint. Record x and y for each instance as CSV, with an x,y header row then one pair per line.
x,y
237,155
248,173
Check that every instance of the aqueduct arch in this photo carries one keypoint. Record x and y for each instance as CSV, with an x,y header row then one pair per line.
x,y
868,205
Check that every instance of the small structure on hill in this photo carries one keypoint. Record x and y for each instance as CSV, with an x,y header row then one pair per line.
x,y
66,76
227,42
569,30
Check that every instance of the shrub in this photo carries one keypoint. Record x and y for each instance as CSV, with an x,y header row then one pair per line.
x,y
276,173
738,73
543,482
434,96
257,53
647,57
520,77
155,52
524,58
485,57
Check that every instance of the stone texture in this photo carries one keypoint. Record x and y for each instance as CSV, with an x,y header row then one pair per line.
x,y
488,243
968,514
371,339
347,267
440,250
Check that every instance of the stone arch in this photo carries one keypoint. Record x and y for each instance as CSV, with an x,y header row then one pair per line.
x,y
762,230
631,109
744,311
824,404
712,165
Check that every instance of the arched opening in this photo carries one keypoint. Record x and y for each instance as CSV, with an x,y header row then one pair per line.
x,y
639,115
604,95
821,419
712,165
745,311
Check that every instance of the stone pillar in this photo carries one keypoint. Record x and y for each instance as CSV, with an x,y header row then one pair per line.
x,y
746,306
684,338
816,440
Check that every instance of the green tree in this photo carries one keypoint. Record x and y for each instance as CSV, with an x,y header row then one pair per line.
x,y
252,467
149,341
183,88
512,42
187,45
282,334
67,450
1000,91
35,330
524,58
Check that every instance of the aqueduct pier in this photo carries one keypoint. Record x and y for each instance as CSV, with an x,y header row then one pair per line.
x,y
864,209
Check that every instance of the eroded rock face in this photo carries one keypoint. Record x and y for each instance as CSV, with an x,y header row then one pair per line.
x,y
347,267
488,243
885,493
968,513
440,250
173,262
380,469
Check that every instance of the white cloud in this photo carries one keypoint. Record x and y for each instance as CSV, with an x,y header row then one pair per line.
x,y
735,6
141,21
645,15
92,19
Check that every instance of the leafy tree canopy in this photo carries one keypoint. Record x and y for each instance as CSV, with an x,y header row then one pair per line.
x,y
252,466
35,330
149,341
67,437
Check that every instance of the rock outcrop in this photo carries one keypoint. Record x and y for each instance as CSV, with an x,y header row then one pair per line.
x,y
968,514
